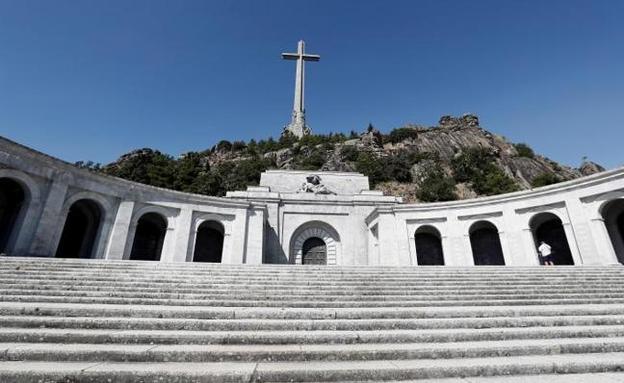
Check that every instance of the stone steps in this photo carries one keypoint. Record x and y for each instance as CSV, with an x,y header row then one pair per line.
x,y
207,312
302,304
77,291
312,371
140,323
105,275
305,352
133,336
123,321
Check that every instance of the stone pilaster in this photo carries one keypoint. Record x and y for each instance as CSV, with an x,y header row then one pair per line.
x,y
48,233
119,234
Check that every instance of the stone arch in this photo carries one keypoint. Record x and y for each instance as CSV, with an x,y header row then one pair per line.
x,y
19,203
428,243
315,229
612,213
209,242
106,222
485,243
548,227
80,233
149,236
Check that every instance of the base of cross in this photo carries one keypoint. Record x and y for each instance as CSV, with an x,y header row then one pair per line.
x,y
297,126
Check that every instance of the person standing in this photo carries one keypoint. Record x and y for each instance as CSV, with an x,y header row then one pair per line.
x,y
546,253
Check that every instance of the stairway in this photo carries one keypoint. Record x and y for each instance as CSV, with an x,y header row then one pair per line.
x,y
127,321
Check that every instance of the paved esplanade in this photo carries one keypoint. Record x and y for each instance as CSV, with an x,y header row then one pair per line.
x,y
298,125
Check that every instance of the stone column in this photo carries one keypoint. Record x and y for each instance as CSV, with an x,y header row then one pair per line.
x,y
181,237
403,239
118,240
46,237
27,229
606,249
235,239
168,249
388,239
531,257
581,234
456,245
572,242
255,236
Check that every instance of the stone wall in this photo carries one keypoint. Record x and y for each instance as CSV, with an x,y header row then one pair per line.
x,y
269,223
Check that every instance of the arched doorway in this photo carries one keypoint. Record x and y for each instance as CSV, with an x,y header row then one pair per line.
x,y
485,244
314,252
321,231
428,247
149,237
12,200
209,242
80,231
613,215
548,227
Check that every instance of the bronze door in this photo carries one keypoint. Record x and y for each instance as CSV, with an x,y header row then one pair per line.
x,y
314,252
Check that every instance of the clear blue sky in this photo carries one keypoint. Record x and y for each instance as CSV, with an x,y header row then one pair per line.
x,y
90,80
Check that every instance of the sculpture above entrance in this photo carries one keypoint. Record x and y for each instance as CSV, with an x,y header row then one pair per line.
x,y
294,181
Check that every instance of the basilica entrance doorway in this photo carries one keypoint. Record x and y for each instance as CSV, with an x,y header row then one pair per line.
x,y
315,243
314,252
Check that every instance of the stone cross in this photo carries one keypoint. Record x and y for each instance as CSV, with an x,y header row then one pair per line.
x,y
298,125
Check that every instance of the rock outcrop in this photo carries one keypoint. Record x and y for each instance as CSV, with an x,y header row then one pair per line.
x,y
425,147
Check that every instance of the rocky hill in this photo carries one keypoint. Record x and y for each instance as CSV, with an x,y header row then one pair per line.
x,y
456,159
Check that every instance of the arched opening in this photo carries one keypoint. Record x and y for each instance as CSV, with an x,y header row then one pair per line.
x,y
428,247
209,242
12,200
80,231
314,252
322,231
149,237
485,244
548,227
613,215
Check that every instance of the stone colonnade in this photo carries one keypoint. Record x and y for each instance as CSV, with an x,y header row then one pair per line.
x,y
582,220
50,208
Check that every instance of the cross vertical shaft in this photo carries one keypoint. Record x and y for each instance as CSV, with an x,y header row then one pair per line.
x,y
298,125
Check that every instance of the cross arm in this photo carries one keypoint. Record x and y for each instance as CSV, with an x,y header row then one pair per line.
x,y
290,56
311,57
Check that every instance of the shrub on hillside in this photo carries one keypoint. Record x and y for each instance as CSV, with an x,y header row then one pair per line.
x,y
223,146
398,166
314,160
524,150
187,169
238,146
369,165
349,153
477,166
495,181
147,166
436,186
545,179
400,134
